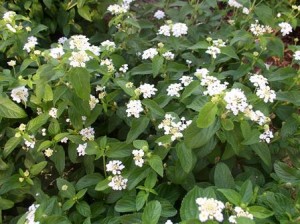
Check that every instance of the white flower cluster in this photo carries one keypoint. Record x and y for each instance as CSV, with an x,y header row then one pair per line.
x,y
108,45
210,209
159,14
138,157
57,52
259,29
297,55
149,53
118,182
212,84
30,142
93,101
108,63
168,55
286,28
9,16
101,90
53,112
78,59
148,90
186,80
81,149
173,89
214,50
30,45
20,94
234,3
123,68
87,134
263,91
236,101
30,214
267,135
176,29
239,212
9,19
116,9
173,128
134,108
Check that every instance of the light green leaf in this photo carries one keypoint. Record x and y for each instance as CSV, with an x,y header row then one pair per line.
x,y
80,80
151,212
157,64
231,195
8,109
260,212
138,126
207,115
229,51
156,164
10,145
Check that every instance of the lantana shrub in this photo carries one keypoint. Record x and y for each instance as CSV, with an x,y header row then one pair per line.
x,y
149,112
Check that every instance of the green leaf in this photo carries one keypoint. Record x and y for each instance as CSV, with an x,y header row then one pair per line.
x,y
80,80
37,168
185,156
65,188
10,145
156,164
8,109
260,212
262,150
83,208
157,64
6,204
138,126
140,144
244,220
231,195
207,115
126,204
265,14
136,176
141,199
88,181
153,107
200,45
58,158
102,185
122,83
133,22
142,69
223,177
85,13
44,145
190,89
276,46
289,96
229,51
195,137
48,94
286,173
227,124
246,192
37,122
151,212
176,67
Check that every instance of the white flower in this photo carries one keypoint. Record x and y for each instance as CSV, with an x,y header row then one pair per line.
x,y
81,149
123,68
134,108
53,112
258,80
87,134
78,59
186,80
9,16
138,157
116,9
179,29
266,136
168,222
201,72
20,94
30,143
234,3
118,183
165,30
236,101
210,209
108,45
56,52
22,127
93,102
64,140
30,45
168,55
11,63
219,43
173,128
212,84
149,53
259,29
286,28
213,51
30,215
48,152
62,40
266,93
159,14
11,28
297,55
109,64
239,212
95,50
246,11
115,166
173,89
79,42
147,90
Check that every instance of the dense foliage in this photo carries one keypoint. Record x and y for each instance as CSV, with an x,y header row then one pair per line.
x,y
149,112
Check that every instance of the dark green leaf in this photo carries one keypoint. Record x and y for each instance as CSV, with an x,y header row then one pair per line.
x,y
138,126
151,212
223,177
80,80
